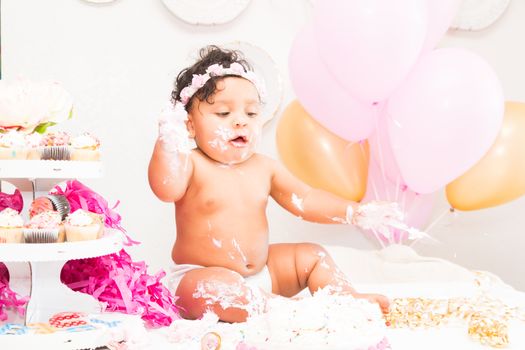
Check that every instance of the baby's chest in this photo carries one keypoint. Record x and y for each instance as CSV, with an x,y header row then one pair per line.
x,y
223,191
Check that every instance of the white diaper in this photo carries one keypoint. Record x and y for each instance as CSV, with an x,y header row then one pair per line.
x,y
262,279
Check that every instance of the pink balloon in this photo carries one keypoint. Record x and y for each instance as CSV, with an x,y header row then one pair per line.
x,y
322,96
440,16
417,207
369,46
444,118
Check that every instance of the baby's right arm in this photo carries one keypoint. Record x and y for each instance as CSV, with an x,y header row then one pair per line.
x,y
170,167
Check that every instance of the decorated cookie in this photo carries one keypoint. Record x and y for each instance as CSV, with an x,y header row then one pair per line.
x,y
68,320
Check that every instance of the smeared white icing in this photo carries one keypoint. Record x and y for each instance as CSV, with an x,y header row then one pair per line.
x,y
217,242
297,202
238,249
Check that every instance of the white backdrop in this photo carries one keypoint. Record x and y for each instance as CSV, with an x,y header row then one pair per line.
x,y
119,60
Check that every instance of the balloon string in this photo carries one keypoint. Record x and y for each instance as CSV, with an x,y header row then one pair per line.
x,y
380,149
398,180
433,224
379,238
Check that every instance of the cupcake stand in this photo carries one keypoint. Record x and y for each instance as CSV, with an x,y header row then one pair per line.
x,y
35,269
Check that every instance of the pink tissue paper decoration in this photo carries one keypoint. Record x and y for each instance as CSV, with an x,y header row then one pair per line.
x,y
14,201
8,298
80,196
124,285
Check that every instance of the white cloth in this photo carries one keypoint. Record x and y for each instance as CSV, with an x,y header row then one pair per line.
x,y
262,279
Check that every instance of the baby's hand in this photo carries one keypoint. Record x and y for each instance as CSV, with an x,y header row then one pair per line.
x,y
372,214
172,129
382,217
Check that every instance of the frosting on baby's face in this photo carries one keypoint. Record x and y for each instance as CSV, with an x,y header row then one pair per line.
x,y
227,129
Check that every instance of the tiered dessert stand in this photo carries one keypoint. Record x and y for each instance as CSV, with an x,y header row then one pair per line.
x,y
34,269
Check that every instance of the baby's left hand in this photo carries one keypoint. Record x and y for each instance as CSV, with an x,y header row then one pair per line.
x,y
382,217
375,214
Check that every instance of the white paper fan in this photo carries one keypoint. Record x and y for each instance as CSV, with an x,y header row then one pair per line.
x,y
265,67
478,14
206,12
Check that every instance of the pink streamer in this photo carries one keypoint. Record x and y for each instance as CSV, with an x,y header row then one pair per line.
x,y
80,196
8,298
124,285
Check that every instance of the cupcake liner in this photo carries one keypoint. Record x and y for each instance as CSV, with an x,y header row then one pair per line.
x,y
55,153
82,233
82,154
13,153
43,235
11,235
60,204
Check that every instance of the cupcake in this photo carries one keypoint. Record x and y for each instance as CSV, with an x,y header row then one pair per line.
x,y
52,202
40,205
82,225
11,224
33,144
45,227
13,145
85,147
55,145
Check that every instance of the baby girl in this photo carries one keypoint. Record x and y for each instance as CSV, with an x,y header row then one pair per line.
x,y
224,262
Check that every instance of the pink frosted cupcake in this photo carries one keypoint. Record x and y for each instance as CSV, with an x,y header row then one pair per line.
x,y
13,145
85,147
11,225
55,145
82,225
45,227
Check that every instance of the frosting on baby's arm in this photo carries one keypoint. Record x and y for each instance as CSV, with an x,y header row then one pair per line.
x,y
304,201
382,218
170,167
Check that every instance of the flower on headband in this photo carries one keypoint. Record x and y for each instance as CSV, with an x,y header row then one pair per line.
x,y
217,70
199,80
236,68
214,69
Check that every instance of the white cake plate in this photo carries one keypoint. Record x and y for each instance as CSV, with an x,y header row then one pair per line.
x,y
30,175
48,294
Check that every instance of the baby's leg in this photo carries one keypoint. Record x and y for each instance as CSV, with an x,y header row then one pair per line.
x,y
220,290
295,266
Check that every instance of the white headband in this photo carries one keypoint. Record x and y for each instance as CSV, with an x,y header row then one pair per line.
x,y
217,70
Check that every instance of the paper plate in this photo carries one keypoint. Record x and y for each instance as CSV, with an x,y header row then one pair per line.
x,y
478,14
206,12
265,67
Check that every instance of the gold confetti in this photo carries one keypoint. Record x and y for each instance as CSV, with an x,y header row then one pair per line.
x,y
487,318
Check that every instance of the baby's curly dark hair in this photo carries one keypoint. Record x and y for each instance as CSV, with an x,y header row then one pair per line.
x,y
209,55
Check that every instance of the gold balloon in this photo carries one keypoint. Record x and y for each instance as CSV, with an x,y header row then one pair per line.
x,y
499,176
320,158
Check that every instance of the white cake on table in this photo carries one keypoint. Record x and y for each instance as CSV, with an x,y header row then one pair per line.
x,y
324,321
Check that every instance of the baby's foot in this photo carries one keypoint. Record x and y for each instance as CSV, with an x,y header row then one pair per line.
x,y
381,300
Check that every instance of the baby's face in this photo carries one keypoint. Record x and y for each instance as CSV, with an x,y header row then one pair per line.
x,y
227,129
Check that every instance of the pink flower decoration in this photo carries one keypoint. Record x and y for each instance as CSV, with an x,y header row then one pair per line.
x,y
237,68
199,80
14,201
214,69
